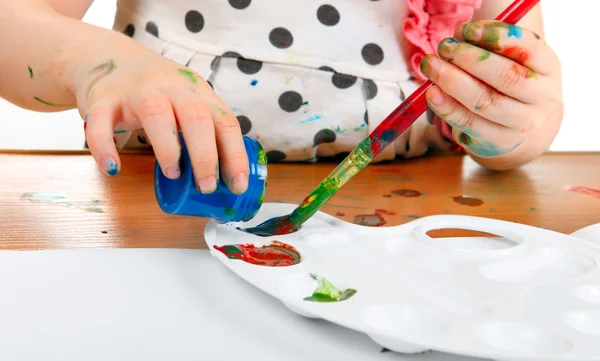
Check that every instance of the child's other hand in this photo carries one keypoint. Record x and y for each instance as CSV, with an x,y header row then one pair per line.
x,y
139,89
498,86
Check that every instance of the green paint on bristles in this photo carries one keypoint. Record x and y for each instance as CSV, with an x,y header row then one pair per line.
x,y
189,75
229,211
327,292
30,72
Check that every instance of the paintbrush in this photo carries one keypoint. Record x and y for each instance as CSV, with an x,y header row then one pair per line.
x,y
391,128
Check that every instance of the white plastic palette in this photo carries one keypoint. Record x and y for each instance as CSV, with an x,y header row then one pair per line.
x,y
535,295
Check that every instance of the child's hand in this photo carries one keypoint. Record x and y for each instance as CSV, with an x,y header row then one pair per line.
x,y
138,89
498,87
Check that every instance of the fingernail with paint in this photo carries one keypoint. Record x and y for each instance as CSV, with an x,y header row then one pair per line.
x,y
208,184
173,172
473,32
431,67
110,166
437,98
448,48
239,183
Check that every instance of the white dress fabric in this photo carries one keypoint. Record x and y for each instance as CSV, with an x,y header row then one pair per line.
x,y
307,79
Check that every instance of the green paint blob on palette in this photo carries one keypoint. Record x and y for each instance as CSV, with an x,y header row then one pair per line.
x,y
327,292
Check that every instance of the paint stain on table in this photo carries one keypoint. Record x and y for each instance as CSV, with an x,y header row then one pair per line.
x,y
340,214
583,190
60,199
468,201
385,211
408,193
370,220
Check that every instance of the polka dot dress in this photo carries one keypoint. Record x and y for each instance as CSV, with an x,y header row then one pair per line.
x,y
308,78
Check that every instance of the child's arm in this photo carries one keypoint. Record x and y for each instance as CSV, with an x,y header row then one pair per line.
x,y
50,62
498,87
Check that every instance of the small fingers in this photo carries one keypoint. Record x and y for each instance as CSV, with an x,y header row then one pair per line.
x,y
99,119
477,96
521,45
155,113
476,134
503,74
195,120
233,158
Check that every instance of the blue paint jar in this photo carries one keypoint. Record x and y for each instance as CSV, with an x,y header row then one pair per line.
x,y
180,196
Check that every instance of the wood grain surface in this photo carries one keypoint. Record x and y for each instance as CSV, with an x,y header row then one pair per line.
x,y
122,212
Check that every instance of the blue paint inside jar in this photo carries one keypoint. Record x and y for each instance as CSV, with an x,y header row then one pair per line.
x,y
180,196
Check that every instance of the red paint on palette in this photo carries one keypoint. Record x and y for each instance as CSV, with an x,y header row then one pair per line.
x,y
276,254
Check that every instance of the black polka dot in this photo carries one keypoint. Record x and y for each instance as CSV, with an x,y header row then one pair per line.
x,y
240,4
275,156
249,66
152,28
343,81
231,54
372,54
411,78
281,38
407,147
245,123
142,139
328,15
194,21
366,117
214,64
290,101
430,115
326,68
129,30
324,136
370,88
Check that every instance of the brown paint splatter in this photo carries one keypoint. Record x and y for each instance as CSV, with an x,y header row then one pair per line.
x,y
340,214
584,190
370,220
409,193
387,196
468,201
385,211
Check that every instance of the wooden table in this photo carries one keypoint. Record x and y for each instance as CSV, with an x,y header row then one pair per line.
x,y
122,211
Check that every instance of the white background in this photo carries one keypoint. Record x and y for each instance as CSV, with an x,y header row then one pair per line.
x,y
566,32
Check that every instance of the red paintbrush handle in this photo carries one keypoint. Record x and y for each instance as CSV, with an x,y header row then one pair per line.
x,y
411,109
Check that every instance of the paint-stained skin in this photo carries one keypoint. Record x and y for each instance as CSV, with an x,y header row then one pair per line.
x,y
483,148
30,72
189,75
468,201
101,71
51,104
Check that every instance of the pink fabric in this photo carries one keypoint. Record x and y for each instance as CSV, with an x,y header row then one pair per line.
x,y
427,23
